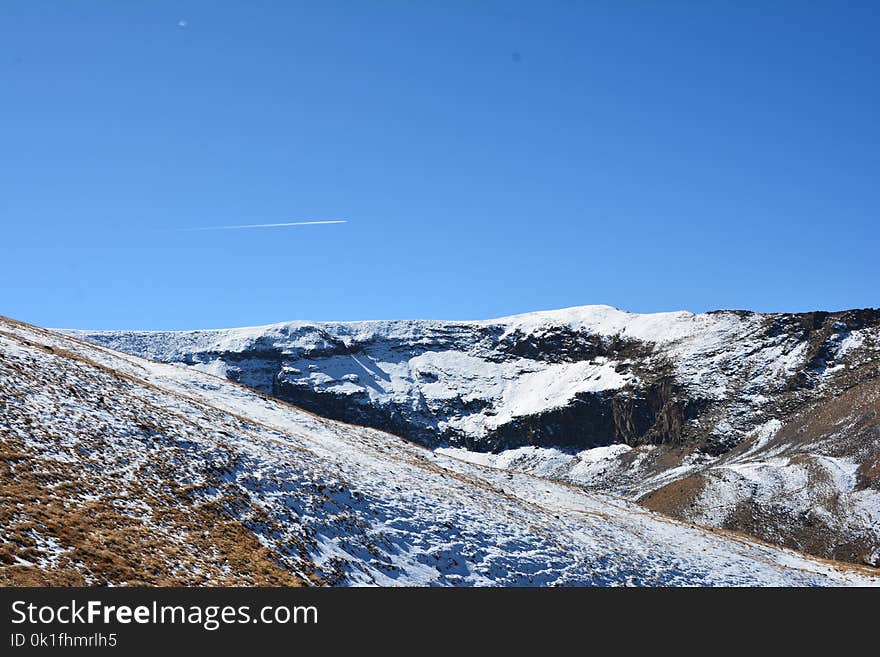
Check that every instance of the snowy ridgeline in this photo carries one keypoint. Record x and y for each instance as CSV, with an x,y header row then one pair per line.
x,y
332,502
467,383
424,364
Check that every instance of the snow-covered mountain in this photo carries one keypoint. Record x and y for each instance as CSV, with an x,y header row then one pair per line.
x,y
119,470
705,416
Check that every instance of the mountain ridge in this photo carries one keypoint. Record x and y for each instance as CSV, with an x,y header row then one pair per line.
x,y
547,312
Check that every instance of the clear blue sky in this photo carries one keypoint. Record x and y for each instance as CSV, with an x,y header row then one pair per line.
x,y
490,158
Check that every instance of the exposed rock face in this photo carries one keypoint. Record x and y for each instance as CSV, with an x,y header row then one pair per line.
x,y
684,391
580,378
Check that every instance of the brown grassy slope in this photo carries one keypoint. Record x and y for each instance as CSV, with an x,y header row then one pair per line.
x,y
104,528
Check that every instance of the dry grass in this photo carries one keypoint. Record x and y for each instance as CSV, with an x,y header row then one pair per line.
x,y
104,544
677,498
86,515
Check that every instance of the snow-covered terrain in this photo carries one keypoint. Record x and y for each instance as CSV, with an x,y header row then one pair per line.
x,y
121,470
463,382
674,396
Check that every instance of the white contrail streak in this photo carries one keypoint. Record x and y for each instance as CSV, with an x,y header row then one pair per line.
x,y
290,223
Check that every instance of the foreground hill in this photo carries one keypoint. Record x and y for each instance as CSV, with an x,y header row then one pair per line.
x,y
765,423
118,470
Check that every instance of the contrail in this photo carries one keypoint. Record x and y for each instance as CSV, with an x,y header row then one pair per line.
x,y
290,223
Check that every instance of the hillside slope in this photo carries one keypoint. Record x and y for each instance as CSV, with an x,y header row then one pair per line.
x,y
118,470
665,397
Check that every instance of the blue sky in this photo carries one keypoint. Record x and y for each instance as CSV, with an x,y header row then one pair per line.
x,y
490,158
